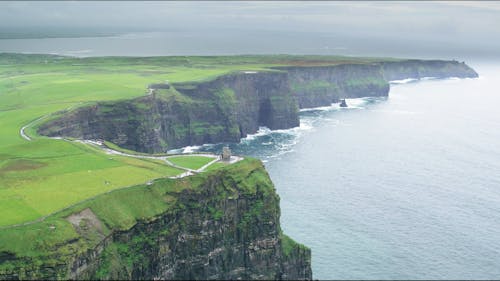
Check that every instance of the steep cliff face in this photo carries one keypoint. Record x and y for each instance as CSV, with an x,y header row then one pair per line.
x,y
324,85
221,225
234,105
417,69
253,99
225,109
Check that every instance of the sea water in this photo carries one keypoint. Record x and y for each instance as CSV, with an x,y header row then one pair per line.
x,y
404,187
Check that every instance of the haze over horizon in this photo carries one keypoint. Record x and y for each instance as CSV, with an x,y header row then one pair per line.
x,y
420,29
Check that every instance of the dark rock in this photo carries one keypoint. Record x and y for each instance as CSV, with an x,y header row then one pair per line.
x,y
316,86
417,69
223,110
343,103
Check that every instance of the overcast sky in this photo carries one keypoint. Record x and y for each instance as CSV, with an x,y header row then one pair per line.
x,y
459,26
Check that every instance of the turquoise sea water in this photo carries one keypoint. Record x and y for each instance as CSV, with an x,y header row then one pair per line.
x,y
404,187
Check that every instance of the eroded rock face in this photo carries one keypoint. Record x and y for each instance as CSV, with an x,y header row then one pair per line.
x,y
417,69
235,105
226,109
245,242
324,85
220,225
252,99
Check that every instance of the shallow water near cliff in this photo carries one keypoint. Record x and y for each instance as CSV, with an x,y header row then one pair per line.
x,y
406,187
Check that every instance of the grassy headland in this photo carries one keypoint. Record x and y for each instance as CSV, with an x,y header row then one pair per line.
x,y
44,175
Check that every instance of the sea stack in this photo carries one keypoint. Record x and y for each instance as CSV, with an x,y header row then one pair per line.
x,y
343,103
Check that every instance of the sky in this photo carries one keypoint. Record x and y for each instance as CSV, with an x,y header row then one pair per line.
x,y
456,28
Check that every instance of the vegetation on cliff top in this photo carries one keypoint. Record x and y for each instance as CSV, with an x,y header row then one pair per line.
x,y
38,176
55,241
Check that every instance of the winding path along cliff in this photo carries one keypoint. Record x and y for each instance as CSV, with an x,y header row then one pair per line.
x,y
234,105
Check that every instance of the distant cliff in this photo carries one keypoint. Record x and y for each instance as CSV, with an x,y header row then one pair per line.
x,y
234,105
219,225
417,69
323,85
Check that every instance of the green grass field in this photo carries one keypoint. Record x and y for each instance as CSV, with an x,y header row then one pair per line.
x,y
45,175
191,162
119,209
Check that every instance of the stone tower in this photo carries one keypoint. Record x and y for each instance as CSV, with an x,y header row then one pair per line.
x,y
226,153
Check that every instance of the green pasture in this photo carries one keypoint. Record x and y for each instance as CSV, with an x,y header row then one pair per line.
x,y
119,209
43,176
193,162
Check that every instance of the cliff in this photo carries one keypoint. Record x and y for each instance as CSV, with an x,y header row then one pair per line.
x,y
219,225
225,109
316,86
231,106
417,69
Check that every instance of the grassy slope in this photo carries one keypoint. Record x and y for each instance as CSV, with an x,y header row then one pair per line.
x,y
191,162
45,175
118,210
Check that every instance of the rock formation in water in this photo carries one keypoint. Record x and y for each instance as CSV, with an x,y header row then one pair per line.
x,y
234,105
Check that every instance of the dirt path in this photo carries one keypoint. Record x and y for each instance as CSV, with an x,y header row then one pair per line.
x,y
28,138
23,134
188,172
108,150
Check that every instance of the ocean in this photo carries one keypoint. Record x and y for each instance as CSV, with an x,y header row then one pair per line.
x,y
228,42
404,187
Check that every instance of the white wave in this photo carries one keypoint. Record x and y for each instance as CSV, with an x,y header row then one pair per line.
x,y
321,108
356,103
189,149
306,124
186,149
261,132
427,78
403,81
284,146
351,103
455,79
